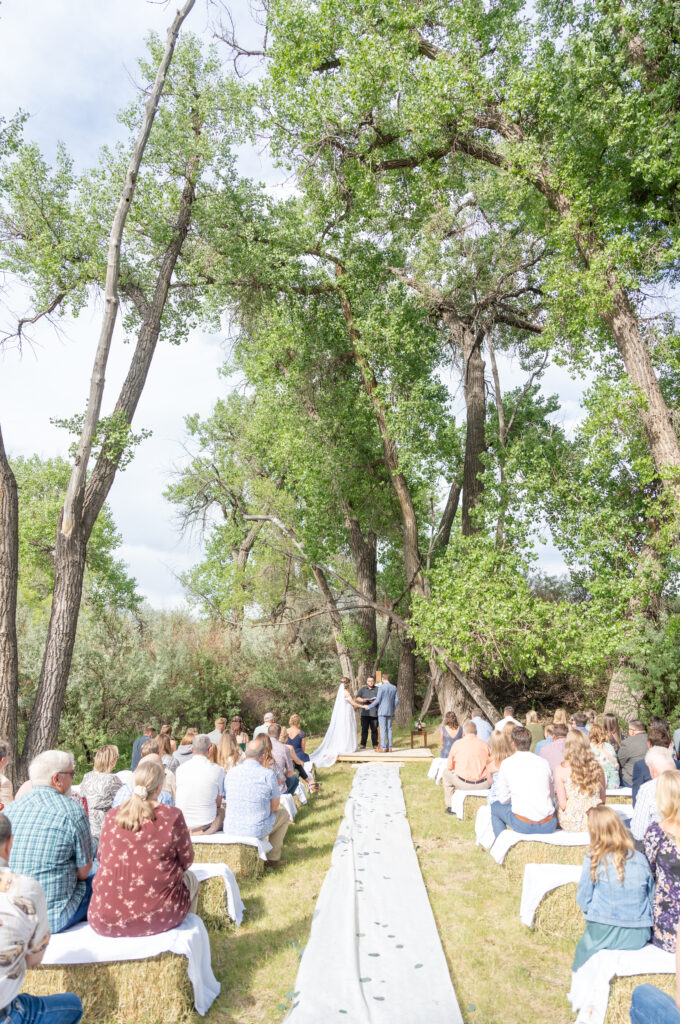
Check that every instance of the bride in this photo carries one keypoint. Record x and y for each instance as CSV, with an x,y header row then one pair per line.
x,y
341,735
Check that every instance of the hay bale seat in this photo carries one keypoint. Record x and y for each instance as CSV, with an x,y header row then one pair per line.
x,y
559,916
156,990
212,905
621,993
244,861
536,852
472,803
620,800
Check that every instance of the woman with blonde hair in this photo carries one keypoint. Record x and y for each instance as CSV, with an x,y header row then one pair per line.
x,y
185,750
500,747
143,885
560,717
228,752
605,755
99,788
662,850
534,728
579,783
615,889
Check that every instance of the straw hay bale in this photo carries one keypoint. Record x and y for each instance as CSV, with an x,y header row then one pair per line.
x,y
243,860
212,905
127,992
559,916
525,853
472,803
620,800
621,993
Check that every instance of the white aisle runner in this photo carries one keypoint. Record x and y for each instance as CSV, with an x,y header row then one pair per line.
x,y
374,954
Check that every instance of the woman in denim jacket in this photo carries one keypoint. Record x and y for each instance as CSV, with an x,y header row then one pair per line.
x,y
615,891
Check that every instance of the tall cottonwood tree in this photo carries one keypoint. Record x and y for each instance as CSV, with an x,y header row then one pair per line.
x,y
180,150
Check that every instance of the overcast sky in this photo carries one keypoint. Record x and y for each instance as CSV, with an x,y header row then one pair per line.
x,y
71,66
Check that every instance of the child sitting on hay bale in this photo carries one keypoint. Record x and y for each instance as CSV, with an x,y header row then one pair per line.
x,y
143,885
615,889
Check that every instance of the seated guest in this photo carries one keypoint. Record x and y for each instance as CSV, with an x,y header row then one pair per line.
x,y
633,748
508,713
166,796
525,791
296,740
610,724
466,765
229,753
500,747
263,729
99,787
450,732
548,731
560,717
166,730
6,791
662,850
253,802
484,728
237,728
165,750
152,748
615,891
579,783
591,718
553,752
534,728
148,733
652,1006
659,760
24,934
658,735
185,750
51,839
282,755
200,786
579,721
605,755
143,885
271,763
218,732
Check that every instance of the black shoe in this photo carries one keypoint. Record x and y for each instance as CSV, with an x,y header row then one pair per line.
x,y
362,748
447,810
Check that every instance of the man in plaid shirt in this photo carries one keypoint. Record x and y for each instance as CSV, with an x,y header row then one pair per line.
x,y
52,840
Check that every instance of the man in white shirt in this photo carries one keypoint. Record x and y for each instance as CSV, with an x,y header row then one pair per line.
x,y
200,788
266,722
218,732
508,712
658,760
524,786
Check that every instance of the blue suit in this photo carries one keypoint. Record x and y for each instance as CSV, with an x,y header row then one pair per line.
x,y
386,702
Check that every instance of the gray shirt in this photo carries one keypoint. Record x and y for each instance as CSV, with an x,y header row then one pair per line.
x,y
632,749
370,693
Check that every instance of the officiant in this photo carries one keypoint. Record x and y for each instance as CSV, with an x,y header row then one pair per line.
x,y
369,718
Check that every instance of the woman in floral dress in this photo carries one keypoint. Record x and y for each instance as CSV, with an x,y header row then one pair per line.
x,y
662,849
605,755
579,783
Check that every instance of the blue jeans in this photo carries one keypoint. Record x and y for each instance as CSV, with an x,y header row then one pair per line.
x,y
652,1006
385,722
502,818
80,913
62,1009
292,783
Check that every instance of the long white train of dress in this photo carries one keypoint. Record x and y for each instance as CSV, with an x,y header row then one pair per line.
x,y
341,735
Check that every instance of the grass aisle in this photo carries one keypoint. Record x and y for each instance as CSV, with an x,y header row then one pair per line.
x,y
502,973
257,963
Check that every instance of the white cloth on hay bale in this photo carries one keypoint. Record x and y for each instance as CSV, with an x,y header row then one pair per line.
x,y
288,803
263,845
624,811
235,906
508,839
538,881
622,791
82,945
460,796
589,993
483,832
436,769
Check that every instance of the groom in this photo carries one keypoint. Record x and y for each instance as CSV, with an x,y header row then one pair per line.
x,y
386,703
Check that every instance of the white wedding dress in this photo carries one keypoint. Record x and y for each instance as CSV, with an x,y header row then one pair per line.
x,y
341,735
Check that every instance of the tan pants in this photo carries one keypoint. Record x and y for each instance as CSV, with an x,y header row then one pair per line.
x,y
452,782
214,826
278,834
192,885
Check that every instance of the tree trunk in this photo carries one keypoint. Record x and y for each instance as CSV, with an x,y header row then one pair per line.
x,y
9,579
475,441
365,554
452,696
406,679
344,653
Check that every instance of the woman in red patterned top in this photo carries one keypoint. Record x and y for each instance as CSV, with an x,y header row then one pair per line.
x,y
143,886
